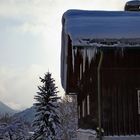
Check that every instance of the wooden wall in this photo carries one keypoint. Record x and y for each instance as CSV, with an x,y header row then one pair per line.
x,y
120,82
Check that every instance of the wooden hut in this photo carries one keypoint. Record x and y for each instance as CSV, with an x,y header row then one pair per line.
x,y
100,62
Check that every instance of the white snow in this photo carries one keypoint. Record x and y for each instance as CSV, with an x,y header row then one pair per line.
x,y
131,137
90,25
93,132
86,134
133,2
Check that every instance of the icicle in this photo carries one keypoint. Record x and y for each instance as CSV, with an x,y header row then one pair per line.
x,y
122,51
73,59
91,53
84,58
81,71
75,51
81,65
74,54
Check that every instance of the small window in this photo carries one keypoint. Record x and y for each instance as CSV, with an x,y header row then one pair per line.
x,y
138,101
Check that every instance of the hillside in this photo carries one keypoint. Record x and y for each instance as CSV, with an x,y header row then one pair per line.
x,y
27,114
6,109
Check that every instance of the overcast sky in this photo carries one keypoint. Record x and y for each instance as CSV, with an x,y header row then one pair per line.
x,y
30,44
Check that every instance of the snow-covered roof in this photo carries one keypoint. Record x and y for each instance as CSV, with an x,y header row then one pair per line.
x,y
133,2
84,26
92,31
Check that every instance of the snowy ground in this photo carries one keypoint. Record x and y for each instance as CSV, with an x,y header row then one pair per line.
x,y
91,135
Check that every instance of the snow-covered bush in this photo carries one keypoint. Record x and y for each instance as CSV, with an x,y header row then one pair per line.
x,y
68,117
14,130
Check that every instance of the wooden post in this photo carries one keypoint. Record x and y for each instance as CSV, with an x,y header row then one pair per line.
x,y
99,94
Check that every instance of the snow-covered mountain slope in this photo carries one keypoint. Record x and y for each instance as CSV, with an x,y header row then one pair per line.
x,y
6,109
27,114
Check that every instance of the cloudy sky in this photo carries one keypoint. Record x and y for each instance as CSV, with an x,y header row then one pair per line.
x,y
30,44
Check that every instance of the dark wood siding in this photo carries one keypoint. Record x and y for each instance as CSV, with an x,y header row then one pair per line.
x,y
119,102
120,81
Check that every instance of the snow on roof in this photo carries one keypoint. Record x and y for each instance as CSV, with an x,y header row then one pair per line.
x,y
133,2
91,30
88,25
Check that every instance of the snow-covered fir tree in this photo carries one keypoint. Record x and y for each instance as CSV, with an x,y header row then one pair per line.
x,y
46,120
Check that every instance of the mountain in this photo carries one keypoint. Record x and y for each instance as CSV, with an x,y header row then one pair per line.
x,y
6,109
27,114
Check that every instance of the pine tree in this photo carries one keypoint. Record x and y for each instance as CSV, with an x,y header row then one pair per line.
x,y
46,121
